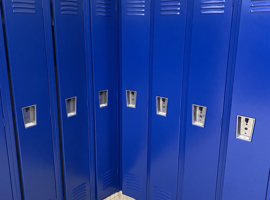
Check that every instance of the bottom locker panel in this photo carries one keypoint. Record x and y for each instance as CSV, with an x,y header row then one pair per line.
x,y
248,161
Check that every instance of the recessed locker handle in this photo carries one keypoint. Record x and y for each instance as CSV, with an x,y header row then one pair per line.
x,y
71,106
103,98
131,98
198,115
29,116
162,104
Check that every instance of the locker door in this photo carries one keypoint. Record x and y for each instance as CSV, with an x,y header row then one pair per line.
x,y
5,181
135,80
72,88
248,163
206,87
104,21
167,70
29,80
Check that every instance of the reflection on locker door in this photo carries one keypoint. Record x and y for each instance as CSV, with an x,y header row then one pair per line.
x,y
248,162
29,80
168,53
5,181
104,21
72,86
206,87
135,78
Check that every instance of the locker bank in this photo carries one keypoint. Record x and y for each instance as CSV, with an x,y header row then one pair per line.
x,y
134,99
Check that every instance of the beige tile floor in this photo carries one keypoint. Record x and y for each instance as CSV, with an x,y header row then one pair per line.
x,y
119,196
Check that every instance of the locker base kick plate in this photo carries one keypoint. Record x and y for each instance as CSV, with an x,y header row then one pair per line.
x,y
119,196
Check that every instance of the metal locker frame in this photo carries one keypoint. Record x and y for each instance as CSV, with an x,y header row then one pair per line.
x,y
135,52
169,29
105,61
247,164
205,86
26,27
72,81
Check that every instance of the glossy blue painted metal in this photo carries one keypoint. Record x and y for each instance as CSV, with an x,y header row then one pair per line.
x,y
135,49
29,80
167,72
104,20
90,95
5,183
206,86
8,119
247,165
72,82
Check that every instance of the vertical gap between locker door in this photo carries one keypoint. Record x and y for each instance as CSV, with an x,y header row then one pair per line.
x,y
149,100
57,97
183,108
236,11
267,187
12,101
90,87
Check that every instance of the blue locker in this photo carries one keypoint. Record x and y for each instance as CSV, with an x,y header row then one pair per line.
x,y
209,52
167,72
104,29
135,48
8,138
31,77
248,164
70,55
5,183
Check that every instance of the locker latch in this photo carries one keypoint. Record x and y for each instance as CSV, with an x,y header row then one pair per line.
x,y
131,98
162,104
71,106
29,116
245,126
198,115
103,98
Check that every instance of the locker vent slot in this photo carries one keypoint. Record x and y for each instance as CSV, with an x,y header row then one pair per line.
x,y
107,178
136,7
212,6
104,7
69,7
170,7
24,6
161,194
71,106
29,116
79,192
258,6
132,182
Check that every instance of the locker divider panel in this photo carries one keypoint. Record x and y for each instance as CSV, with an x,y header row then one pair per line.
x,y
247,168
167,72
104,27
28,67
206,87
135,48
5,181
72,85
